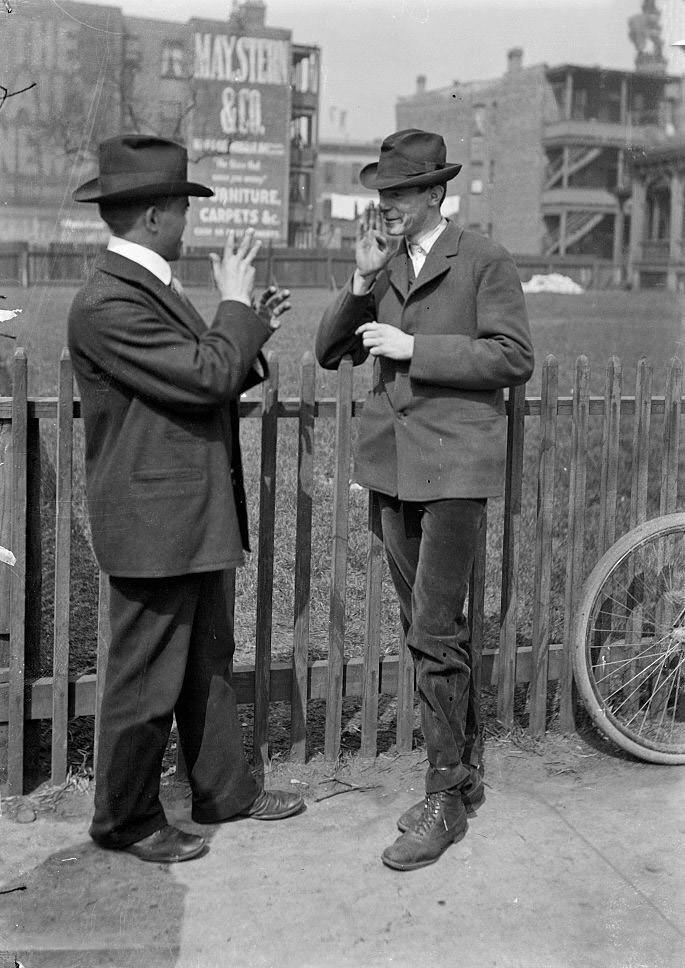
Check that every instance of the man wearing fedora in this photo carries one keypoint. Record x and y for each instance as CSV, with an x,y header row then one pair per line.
x,y
441,312
159,391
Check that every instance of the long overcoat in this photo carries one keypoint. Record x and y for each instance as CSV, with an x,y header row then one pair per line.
x,y
158,397
434,427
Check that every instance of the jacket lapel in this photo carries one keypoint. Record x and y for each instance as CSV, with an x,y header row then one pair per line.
x,y
398,273
130,272
438,259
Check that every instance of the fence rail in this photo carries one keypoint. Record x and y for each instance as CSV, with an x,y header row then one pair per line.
x,y
294,267
26,699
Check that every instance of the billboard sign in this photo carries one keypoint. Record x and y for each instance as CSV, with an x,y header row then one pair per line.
x,y
238,141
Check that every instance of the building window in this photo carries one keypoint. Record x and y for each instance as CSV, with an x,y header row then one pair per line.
x,y
173,60
301,131
477,186
329,173
479,118
477,149
300,187
354,174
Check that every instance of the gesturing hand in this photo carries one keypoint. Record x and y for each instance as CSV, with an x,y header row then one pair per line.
x,y
372,250
273,303
380,339
234,272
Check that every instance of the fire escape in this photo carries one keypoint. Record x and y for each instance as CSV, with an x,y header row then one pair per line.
x,y
599,116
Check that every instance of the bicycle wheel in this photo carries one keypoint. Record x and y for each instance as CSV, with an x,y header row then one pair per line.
x,y
629,641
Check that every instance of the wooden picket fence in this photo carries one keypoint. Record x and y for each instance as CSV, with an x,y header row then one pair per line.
x,y
24,700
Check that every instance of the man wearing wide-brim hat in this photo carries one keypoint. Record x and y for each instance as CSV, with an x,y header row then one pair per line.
x,y
441,311
159,390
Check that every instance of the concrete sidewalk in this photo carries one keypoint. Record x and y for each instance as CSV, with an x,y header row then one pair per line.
x,y
574,861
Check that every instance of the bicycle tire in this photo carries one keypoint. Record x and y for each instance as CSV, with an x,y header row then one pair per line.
x,y
629,641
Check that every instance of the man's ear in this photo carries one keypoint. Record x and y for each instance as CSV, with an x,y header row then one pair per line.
x,y
151,218
435,194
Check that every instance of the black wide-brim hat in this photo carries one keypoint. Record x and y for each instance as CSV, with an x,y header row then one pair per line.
x,y
140,166
409,158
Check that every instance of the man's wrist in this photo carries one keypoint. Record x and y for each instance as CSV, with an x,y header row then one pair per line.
x,y
363,282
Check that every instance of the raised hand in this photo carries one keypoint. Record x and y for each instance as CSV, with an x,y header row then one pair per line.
x,y
273,303
373,249
234,272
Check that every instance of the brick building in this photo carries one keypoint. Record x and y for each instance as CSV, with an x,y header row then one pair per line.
x,y
241,94
547,150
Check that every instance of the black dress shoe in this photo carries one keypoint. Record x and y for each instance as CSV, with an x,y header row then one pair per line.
x,y
274,805
168,845
472,796
443,822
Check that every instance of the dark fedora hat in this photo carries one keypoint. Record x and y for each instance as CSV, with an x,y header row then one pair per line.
x,y
140,166
409,157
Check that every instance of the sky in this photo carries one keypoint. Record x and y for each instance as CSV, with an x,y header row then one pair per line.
x,y
373,50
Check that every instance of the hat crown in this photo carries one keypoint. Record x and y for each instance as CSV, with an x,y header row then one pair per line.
x,y
411,152
140,154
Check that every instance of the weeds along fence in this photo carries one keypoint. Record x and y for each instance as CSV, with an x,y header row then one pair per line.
x,y
580,470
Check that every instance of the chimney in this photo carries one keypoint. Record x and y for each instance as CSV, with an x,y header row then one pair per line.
x,y
515,59
252,14
421,84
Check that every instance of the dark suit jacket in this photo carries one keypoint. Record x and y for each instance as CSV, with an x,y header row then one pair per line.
x,y
158,396
434,427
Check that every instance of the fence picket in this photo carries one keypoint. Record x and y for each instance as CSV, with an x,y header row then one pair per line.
x,y
611,431
303,558
476,619
372,637
265,564
103,637
60,662
576,533
641,425
506,666
341,500
668,495
15,731
543,547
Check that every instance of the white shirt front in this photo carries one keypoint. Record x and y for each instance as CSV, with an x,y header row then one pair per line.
x,y
419,248
144,257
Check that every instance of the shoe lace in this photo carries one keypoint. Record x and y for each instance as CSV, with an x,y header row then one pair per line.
x,y
431,809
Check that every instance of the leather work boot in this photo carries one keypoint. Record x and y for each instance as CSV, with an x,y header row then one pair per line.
x,y
472,796
442,822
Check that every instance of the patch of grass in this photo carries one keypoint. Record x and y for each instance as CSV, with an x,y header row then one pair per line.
x,y
597,324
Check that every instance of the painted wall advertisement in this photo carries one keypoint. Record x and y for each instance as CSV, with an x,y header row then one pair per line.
x,y
238,141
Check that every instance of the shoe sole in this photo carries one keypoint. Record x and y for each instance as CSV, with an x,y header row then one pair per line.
x,y
471,810
423,863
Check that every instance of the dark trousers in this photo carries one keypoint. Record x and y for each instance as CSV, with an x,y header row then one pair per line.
x,y
430,549
170,652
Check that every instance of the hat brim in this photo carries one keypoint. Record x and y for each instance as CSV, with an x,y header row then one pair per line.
x,y
91,191
369,178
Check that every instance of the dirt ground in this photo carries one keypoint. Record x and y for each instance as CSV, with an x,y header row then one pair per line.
x,y
574,861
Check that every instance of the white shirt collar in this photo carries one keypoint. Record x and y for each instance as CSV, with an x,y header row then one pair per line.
x,y
143,256
427,240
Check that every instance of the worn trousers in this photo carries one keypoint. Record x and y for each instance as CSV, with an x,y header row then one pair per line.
x,y
430,548
170,653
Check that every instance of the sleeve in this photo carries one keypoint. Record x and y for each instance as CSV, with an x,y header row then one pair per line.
x,y
501,352
336,335
137,348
